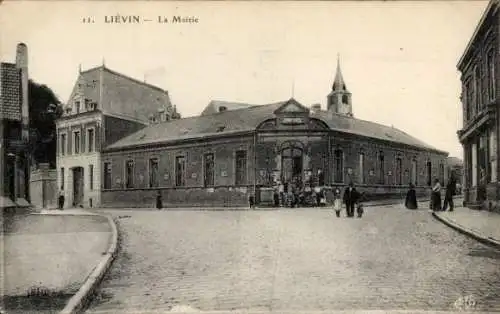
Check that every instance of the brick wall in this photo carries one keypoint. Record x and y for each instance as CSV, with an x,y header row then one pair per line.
x,y
268,158
193,193
10,92
43,187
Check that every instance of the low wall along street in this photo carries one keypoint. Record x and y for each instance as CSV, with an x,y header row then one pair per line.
x,y
43,187
224,196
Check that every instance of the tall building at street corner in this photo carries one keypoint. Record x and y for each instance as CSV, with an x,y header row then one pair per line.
x,y
104,106
14,131
479,67
233,150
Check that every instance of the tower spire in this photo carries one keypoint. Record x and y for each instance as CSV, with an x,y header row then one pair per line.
x,y
338,83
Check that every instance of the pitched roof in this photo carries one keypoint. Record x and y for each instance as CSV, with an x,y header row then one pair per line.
x,y
10,98
339,83
248,119
215,106
121,95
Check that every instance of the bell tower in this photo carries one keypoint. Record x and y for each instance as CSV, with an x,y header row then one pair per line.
x,y
339,100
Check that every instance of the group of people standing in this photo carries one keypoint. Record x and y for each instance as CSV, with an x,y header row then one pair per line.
x,y
435,201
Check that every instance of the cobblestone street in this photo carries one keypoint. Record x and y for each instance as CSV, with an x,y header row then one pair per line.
x,y
304,259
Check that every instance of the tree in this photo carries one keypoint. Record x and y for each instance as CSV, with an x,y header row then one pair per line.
x,y
44,109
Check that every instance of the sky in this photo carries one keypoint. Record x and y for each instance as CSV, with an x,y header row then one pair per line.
x,y
398,58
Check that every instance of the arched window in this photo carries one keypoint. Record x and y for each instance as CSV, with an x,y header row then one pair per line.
x,y
345,99
339,166
413,175
429,173
399,172
381,170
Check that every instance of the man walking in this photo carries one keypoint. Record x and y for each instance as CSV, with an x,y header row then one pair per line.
x,y
350,199
450,192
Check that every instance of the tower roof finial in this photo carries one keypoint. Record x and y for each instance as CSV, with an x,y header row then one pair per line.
x,y
103,62
338,83
80,68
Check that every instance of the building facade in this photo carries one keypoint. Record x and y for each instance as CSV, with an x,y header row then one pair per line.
x,y
479,68
14,131
234,150
103,107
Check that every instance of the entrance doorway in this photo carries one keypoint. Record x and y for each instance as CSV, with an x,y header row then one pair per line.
x,y
11,177
77,186
291,164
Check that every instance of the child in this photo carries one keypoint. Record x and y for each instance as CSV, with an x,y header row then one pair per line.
x,y
337,202
360,210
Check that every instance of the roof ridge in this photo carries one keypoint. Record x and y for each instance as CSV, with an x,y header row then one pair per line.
x,y
105,68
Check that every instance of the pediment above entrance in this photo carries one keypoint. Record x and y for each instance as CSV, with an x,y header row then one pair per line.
x,y
291,107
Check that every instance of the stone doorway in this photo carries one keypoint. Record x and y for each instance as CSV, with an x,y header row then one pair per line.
x,y
77,186
291,164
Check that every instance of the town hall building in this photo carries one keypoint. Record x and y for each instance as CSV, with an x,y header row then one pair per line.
x,y
234,150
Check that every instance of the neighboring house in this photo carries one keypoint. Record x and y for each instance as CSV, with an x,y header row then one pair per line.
x,y
222,157
216,106
103,107
479,134
14,131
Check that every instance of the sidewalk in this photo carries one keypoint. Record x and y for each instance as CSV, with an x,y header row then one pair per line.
x,y
48,256
482,225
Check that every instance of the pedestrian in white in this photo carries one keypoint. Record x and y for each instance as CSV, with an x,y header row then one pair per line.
x,y
337,202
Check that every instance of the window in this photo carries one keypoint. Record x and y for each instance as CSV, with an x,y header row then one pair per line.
x,y
339,166
469,100
77,107
483,156
90,140
107,175
91,177
477,88
362,168
129,174
413,175
491,74
441,173
381,170
153,173
345,99
209,169
63,144
429,173
62,179
76,142
241,167
180,171
399,171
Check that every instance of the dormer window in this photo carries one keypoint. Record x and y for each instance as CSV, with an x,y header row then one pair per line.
x,y
222,108
221,128
77,107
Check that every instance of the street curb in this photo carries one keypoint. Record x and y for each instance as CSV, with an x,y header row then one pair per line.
x,y
78,302
466,231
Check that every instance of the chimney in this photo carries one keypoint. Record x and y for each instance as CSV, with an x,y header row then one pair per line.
x,y
316,108
22,65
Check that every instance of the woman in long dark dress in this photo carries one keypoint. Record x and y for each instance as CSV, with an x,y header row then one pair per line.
x,y
411,198
436,196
